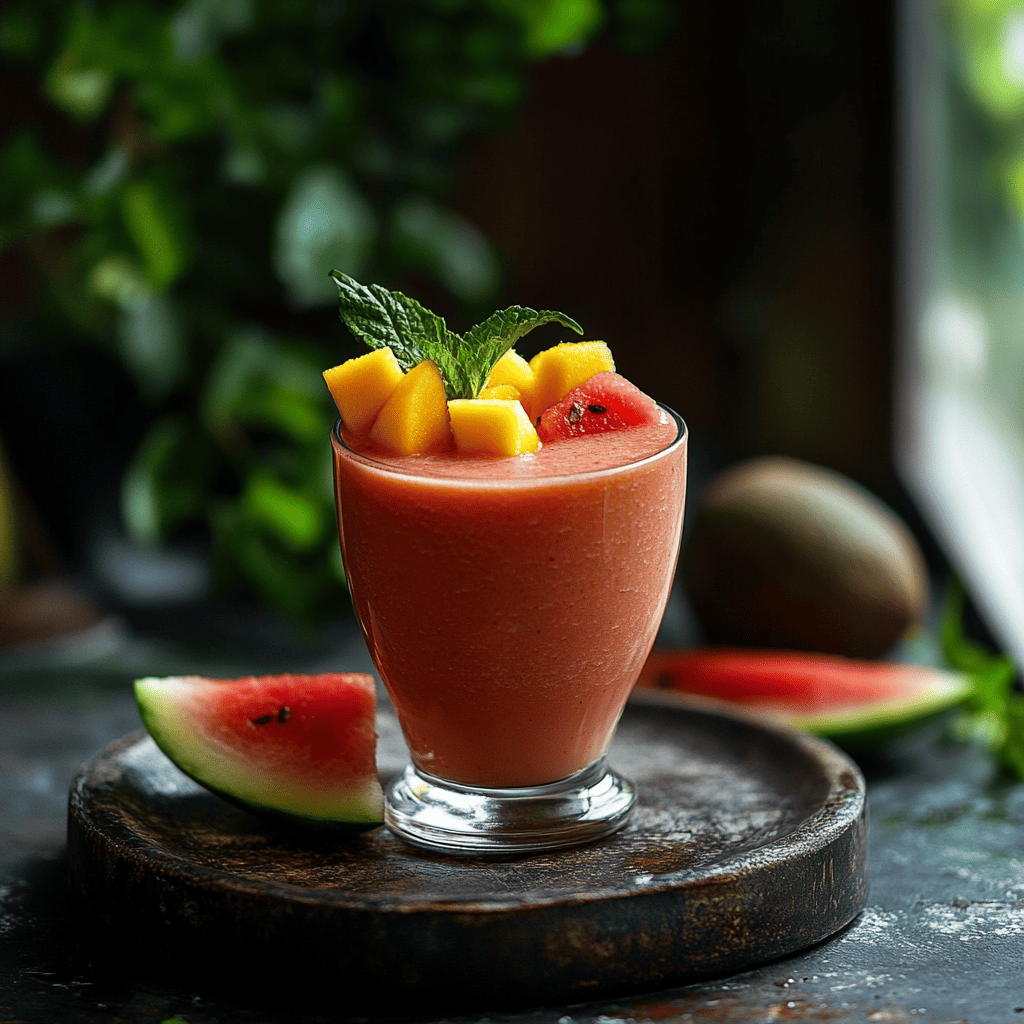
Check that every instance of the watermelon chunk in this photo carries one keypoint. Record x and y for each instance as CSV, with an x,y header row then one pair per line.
x,y
859,704
292,746
606,401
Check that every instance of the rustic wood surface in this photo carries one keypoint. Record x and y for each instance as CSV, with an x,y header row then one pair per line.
x,y
940,938
748,842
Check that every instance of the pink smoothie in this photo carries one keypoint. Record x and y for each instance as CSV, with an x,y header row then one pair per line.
x,y
509,604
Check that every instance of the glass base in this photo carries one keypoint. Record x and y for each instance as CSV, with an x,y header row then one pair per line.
x,y
441,815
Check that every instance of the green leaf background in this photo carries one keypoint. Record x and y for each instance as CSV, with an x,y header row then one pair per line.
x,y
203,166
993,714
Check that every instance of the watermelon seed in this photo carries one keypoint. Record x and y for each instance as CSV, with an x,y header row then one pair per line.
x,y
282,715
263,720
575,412
598,409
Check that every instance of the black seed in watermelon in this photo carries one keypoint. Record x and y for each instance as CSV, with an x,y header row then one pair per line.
x,y
607,401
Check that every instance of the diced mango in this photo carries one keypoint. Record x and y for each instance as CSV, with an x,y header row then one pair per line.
x,y
361,386
503,391
492,426
556,371
514,370
414,420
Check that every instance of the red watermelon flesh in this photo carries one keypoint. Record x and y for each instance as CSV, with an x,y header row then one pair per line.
x,y
853,701
298,746
606,401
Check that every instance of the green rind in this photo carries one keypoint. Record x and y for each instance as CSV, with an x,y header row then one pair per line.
x,y
341,826
869,726
160,713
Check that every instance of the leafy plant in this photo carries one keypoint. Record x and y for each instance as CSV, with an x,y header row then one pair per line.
x,y
993,713
198,169
387,319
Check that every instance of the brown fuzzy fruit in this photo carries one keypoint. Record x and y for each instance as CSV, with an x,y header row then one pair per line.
x,y
788,555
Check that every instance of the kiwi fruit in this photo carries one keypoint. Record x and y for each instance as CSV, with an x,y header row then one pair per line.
x,y
789,555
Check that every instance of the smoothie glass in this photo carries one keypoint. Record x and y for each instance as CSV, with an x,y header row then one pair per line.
x,y
509,605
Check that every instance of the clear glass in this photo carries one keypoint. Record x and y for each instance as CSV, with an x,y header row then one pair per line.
x,y
509,606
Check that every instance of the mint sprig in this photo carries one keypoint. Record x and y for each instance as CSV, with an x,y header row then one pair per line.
x,y
993,713
383,318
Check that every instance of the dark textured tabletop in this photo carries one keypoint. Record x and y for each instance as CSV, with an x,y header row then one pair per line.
x,y
941,937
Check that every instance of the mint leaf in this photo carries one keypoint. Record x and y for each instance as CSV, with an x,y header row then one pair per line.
x,y
446,356
488,341
384,318
993,713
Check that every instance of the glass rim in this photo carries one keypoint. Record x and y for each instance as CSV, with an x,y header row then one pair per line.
x,y
341,448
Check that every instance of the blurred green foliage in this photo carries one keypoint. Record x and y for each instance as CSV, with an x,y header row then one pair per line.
x,y
991,34
993,713
989,37
975,126
200,167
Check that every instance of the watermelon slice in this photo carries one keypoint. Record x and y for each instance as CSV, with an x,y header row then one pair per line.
x,y
606,401
298,747
858,704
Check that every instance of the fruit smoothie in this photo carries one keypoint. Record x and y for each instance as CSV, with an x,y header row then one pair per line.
x,y
510,603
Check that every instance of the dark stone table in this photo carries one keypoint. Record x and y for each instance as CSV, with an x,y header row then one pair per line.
x,y
941,937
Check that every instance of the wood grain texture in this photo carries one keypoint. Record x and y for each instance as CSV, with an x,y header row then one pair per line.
x,y
748,842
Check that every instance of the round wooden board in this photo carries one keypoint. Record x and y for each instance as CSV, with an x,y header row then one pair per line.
x,y
748,842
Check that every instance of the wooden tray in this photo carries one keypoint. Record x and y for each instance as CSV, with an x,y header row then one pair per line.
x,y
748,842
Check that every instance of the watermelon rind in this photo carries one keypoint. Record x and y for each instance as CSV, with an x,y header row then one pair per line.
x,y
168,712
902,698
867,726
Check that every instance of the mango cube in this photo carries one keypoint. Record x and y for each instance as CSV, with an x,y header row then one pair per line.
x,y
414,420
492,426
556,371
361,386
504,391
512,370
